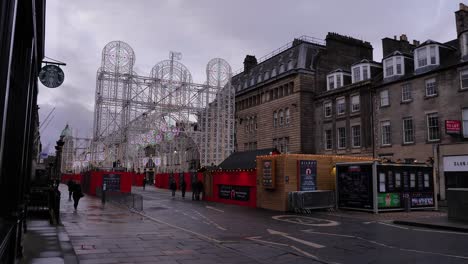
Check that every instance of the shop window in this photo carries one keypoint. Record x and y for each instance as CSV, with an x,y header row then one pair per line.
x,y
397,180
426,180
382,182
412,180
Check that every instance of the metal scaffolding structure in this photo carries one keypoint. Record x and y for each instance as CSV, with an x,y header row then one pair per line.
x,y
165,111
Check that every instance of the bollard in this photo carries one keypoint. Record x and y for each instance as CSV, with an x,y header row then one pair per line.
x,y
103,196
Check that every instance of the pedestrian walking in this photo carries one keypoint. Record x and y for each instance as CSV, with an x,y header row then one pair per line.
x,y
183,187
70,189
173,188
199,190
144,183
194,190
77,195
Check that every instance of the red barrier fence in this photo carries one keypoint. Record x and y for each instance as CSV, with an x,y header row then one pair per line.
x,y
235,187
64,178
119,181
162,179
137,179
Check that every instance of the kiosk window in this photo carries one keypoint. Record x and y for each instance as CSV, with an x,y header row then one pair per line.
x,y
426,180
412,180
397,180
382,182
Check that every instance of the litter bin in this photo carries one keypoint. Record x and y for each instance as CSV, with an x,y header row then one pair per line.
x,y
406,202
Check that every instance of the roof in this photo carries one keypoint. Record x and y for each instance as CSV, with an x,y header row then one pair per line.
x,y
367,61
339,70
244,159
398,53
430,41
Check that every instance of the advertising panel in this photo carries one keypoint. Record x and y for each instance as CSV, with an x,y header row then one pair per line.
x,y
112,182
268,179
456,163
230,192
422,199
355,186
388,200
308,175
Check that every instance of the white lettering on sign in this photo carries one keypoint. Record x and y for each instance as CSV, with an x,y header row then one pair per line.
x,y
456,163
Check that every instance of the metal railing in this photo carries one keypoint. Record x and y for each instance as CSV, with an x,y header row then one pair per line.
x,y
7,242
129,200
305,201
285,47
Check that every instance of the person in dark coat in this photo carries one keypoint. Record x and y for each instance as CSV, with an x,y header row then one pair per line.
x,y
144,183
173,188
199,190
77,194
194,190
70,184
183,187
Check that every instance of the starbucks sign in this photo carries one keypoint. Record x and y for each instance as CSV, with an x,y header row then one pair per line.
x,y
51,76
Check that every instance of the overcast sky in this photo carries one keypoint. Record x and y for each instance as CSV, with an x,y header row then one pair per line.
x,y
77,31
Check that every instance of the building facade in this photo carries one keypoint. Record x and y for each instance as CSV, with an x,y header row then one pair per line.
x,y
275,97
421,105
68,150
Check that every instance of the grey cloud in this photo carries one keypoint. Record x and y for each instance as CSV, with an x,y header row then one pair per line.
x,y
77,31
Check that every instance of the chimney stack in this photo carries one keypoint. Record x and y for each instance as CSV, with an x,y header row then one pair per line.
x,y
416,43
403,37
461,19
249,62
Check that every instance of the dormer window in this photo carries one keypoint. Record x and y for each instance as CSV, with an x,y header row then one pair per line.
x,y
273,72
259,79
267,75
394,66
335,79
426,56
281,69
361,72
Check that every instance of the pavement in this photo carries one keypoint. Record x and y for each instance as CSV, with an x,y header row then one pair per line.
x,y
177,231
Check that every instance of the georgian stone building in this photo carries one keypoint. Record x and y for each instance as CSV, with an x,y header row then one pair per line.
x,y
425,86
275,99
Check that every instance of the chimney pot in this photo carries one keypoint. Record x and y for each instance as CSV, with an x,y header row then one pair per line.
x,y
463,7
394,37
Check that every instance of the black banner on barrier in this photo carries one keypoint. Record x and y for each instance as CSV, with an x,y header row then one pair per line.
x,y
112,182
230,192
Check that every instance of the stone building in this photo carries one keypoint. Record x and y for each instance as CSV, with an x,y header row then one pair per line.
x,y
275,97
421,105
343,108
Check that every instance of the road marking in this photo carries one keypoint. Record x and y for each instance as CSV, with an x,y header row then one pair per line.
x,y
177,227
257,238
327,234
305,220
304,253
440,231
366,223
387,224
307,243
213,208
210,221
388,246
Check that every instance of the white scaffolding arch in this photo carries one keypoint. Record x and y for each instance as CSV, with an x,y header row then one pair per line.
x,y
165,110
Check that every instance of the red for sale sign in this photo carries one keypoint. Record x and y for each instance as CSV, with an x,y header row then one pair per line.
x,y
452,126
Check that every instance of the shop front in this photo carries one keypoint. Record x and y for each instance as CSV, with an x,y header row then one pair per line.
x,y
374,186
456,171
